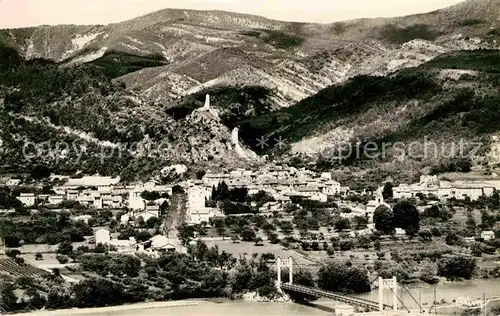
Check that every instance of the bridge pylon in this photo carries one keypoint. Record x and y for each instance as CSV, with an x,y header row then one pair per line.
x,y
286,263
391,284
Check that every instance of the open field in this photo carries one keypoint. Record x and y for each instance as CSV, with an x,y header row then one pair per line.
x,y
246,249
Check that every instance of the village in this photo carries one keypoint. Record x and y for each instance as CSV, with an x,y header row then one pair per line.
x,y
69,224
281,184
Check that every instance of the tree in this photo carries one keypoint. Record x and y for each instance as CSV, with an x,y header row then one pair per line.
x,y
452,239
185,233
258,241
346,244
436,232
62,259
315,246
12,253
476,249
36,301
437,212
9,298
286,227
19,261
406,216
220,226
214,283
336,277
124,265
364,242
12,241
382,217
235,238
150,195
360,222
428,272
248,234
426,235
342,223
40,172
488,220
273,238
387,192
458,266
152,222
470,223
98,293
65,248
57,300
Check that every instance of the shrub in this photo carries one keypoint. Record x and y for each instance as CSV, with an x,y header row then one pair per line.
x,y
12,253
62,259
459,266
341,278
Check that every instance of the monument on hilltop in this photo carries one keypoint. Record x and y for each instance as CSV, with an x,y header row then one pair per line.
x,y
207,102
237,147
234,136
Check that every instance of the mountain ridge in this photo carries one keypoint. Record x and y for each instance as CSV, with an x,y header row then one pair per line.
x,y
154,72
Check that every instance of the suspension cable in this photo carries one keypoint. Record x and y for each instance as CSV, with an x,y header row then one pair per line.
x,y
395,294
411,295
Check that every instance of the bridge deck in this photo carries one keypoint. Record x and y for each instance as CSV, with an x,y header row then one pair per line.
x,y
354,301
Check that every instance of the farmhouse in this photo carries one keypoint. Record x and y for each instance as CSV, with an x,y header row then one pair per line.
x,y
487,235
28,199
102,236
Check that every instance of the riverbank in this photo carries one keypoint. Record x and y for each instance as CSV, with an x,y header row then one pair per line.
x,y
193,308
251,305
116,309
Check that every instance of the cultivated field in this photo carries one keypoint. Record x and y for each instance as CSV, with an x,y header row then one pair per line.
x,y
10,267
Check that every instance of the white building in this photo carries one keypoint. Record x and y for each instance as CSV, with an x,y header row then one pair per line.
x,y
197,195
124,245
487,235
28,199
198,216
72,195
135,201
400,232
102,236
332,188
55,199
163,243
150,212
430,185
326,176
13,182
213,179
125,218
101,183
84,218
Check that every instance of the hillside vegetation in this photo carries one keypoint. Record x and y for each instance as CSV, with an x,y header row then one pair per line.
x,y
76,119
456,96
315,86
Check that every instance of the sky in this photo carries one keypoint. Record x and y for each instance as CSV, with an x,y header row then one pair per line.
x,y
23,13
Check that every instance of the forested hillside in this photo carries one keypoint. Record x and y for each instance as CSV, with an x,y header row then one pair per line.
x,y
77,119
455,96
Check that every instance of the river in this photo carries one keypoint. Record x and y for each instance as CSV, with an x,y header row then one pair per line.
x,y
447,292
472,289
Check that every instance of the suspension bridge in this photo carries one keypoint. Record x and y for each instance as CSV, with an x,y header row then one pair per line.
x,y
362,303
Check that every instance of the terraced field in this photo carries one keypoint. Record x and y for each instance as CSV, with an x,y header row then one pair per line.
x,y
9,266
